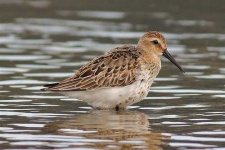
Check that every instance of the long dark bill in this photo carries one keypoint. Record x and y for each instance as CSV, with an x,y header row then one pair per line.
x,y
168,56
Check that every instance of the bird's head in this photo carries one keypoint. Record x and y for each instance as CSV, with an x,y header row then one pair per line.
x,y
154,42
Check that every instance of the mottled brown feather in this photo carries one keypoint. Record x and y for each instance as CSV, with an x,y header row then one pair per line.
x,y
116,68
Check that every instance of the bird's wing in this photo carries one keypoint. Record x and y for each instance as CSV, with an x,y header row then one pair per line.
x,y
115,68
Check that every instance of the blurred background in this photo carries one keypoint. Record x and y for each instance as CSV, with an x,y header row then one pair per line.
x,y
45,41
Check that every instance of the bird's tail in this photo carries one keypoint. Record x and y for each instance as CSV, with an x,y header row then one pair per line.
x,y
47,86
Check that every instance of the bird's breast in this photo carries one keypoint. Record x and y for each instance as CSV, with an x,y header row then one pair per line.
x,y
148,72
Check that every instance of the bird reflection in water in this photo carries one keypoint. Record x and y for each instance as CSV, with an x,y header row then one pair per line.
x,y
121,129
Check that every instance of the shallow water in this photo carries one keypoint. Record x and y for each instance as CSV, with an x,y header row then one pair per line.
x,y
46,41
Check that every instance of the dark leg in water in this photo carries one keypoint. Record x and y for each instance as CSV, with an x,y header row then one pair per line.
x,y
117,108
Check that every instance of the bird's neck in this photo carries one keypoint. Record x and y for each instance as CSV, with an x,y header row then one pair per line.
x,y
149,56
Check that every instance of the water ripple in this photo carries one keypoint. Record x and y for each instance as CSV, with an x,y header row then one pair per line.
x,y
190,91
100,14
23,57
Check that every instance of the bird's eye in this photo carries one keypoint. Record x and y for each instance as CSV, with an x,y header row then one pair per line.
x,y
155,42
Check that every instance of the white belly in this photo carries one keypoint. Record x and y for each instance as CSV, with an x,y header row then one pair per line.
x,y
113,96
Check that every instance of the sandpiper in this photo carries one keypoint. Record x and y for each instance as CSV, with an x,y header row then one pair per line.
x,y
120,77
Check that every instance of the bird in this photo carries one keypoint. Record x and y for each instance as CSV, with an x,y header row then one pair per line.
x,y
120,77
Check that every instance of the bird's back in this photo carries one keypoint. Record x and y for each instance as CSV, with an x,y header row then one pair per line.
x,y
115,68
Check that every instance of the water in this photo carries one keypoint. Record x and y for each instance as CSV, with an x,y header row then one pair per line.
x,y
46,41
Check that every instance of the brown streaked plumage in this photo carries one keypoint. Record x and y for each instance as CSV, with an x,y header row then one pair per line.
x,y
116,68
120,77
